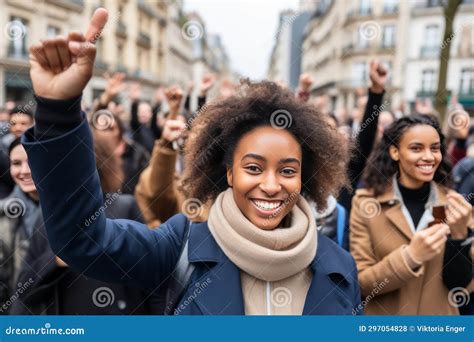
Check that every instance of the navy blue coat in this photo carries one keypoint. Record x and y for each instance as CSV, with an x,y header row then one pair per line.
x,y
128,252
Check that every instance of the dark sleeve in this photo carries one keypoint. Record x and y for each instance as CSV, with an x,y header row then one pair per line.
x,y
122,251
54,117
457,263
134,123
201,102
154,125
365,139
187,103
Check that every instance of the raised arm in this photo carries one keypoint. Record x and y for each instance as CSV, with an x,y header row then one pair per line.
x,y
366,137
61,157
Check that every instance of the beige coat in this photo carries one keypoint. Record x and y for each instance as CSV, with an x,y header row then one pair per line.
x,y
378,233
157,192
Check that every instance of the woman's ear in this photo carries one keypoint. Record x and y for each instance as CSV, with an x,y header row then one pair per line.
x,y
229,177
394,153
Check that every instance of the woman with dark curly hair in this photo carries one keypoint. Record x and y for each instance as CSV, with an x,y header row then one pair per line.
x,y
408,231
259,252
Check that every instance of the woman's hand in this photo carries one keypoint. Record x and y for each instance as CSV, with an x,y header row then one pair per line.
x,y
428,243
61,67
459,214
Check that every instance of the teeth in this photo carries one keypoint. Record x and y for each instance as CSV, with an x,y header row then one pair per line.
x,y
426,167
267,205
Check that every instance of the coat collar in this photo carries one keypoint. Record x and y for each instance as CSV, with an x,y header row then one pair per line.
x,y
223,290
398,215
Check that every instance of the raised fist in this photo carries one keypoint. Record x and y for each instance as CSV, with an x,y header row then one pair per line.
x,y
62,66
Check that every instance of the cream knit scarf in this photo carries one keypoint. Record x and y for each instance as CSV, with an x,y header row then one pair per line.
x,y
269,255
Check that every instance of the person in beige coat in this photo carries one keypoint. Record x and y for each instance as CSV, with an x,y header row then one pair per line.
x,y
401,258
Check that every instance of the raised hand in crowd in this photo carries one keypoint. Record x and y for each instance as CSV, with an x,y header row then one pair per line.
x,y
206,84
306,81
114,86
61,67
378,76
173,130
174,96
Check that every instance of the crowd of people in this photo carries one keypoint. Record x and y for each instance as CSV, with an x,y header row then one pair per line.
x,y
258,202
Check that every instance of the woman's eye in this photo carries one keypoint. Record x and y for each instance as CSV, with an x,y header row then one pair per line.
x,y
253,168
435,148
288,172
416,149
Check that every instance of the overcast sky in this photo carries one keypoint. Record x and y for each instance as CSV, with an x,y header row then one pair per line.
x,y
247,28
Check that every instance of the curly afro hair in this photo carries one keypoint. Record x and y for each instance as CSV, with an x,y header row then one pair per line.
x,y
220,125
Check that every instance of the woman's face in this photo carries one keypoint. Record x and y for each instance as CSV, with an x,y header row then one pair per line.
x,y
266,175
20,170
418,155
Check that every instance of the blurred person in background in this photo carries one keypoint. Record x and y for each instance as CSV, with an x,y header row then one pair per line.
x,y
134,157
19,212
56,289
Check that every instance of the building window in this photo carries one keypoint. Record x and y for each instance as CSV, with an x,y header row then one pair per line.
x,y
388,37
428,81
53,31
365,7
432,41
390,6
17,31
360,73
467,81
363,40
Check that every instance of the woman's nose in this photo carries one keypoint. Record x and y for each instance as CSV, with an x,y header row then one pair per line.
x,y
270,185
25,168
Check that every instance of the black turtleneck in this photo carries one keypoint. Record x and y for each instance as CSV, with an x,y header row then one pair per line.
x,y
415,200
